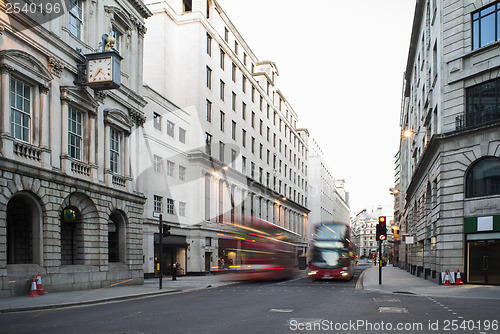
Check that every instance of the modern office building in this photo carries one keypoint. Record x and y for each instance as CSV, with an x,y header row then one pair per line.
x,y
245,155
68,206
450,144
329,201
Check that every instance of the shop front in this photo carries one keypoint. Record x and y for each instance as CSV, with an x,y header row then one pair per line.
x,y
174,250
482,236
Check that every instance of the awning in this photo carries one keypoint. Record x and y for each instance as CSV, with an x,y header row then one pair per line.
x,y
172,240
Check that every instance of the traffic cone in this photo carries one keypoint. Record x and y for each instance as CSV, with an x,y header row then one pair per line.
x,y
458,281
33,292
447,279
39,287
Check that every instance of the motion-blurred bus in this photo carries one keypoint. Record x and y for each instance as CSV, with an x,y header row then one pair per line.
x,y
258,250
332,255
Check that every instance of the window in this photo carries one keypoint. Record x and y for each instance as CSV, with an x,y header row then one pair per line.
x,y
236,47
233,131
117,35
253,144
20,104
253,119
243,83
233,158
483,103
222,148
182,173
157,121
182,209
114,148
222,120
243,165
222,54
170,206
75,133
209,78
253,93
170,129
209,111
187,5
483,178
233,73
261,127
157,163
244,138
233,101
209,44
182,135
75,18
226,34
221,90
158,203
208,143
486,26
243,110
170,168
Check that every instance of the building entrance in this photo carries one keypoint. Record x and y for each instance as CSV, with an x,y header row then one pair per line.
x,y
483,262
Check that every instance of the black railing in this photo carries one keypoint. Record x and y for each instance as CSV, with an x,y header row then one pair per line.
x,y
470,119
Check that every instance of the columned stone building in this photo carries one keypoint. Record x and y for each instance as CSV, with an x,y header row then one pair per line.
x,y
247,156
68,205
450,147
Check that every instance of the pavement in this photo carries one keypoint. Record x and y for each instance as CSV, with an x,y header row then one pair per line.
x,y
394,280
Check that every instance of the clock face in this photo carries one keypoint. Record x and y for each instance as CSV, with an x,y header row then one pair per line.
x,y
99,70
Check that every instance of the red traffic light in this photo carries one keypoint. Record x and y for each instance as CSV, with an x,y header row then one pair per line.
x,y
381,219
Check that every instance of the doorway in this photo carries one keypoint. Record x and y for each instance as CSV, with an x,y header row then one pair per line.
x,y
483,262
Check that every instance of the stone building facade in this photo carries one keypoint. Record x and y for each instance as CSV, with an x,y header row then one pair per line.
x,y
247,156
450,148
69,208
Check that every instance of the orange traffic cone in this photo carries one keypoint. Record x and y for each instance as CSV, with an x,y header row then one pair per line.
x,y
39,288
447,279
458,281
33,292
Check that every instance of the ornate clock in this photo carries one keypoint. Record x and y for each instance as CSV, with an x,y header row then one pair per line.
x,y
103,70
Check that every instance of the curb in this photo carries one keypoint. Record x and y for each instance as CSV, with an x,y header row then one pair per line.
x,y
90,302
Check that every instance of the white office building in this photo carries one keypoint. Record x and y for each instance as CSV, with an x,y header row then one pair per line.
x,y
244,153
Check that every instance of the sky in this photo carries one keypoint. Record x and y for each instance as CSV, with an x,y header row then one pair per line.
x,y
341,66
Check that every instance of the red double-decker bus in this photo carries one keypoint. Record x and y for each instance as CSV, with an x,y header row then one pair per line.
x,y
332,255
257,251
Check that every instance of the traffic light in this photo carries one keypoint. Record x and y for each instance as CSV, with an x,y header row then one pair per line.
x,y
165,230
381,229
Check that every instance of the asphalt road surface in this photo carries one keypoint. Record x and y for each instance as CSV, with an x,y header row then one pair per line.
x,y
298,305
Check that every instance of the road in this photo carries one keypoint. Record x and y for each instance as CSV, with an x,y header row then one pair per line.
x,y
298,305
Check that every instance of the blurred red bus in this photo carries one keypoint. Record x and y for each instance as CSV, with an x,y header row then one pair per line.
x,y
261,251
332,255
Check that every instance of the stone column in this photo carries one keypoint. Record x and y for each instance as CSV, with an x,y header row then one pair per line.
x,y
106,163
44,117
64,134
5,90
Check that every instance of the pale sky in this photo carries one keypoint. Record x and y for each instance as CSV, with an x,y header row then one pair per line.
x,y
341,66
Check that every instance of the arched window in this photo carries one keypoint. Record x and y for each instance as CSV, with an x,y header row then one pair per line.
x,y
483,178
